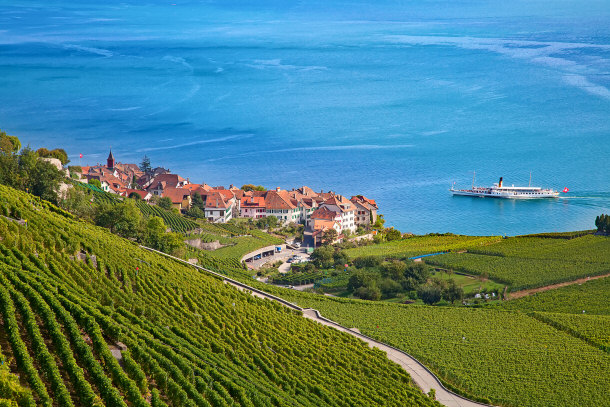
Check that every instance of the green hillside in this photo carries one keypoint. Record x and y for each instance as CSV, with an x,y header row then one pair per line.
x,y
91,319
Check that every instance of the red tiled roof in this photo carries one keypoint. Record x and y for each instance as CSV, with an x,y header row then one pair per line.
x,y
177,195
170,180
252,202
278,200
324,213
226,193
215,200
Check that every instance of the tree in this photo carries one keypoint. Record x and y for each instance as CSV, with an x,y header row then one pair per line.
x,y
38,177
372,293
124,218
145,166
58,153
602,222
165,203
9,144
95,182
429,294
197,201
453,292
79,203
379,222
153,232
252,187
329,236
392,234
322,257
135,195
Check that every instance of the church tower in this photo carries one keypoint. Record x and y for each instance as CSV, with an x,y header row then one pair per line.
x,y
110,161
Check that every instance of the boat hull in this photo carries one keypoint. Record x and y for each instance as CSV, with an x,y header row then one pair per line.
x,y
505,195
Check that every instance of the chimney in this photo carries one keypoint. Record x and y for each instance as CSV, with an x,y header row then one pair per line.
x,y
500,183
277,189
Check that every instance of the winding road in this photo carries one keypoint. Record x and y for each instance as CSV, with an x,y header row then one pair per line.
x,y
420,374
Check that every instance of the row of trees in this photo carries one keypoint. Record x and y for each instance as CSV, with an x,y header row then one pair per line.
x,y
602,222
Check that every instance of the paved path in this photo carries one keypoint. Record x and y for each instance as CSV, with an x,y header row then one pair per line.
x,y
421,376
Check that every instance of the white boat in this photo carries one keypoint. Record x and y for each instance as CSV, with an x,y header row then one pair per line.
x,y
508,192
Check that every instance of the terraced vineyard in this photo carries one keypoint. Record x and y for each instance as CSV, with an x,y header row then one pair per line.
x,y
73,297
509,358
527,262
418,245
174,221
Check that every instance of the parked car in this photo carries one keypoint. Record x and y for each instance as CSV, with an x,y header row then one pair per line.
x,y
297,244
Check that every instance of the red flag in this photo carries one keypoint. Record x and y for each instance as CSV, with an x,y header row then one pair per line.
x,y
81,155
566,189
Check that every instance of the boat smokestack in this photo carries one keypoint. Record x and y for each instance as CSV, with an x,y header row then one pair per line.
x,y
500,183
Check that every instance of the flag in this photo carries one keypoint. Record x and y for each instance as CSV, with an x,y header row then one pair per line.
x,y
566,189
80,155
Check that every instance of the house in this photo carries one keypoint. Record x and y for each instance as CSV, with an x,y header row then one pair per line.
x,y
346,210
163,181
229,197
321,227
216,209
366,210
181,197
252,207
278,203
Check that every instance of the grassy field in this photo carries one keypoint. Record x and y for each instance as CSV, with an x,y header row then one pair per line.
x,y
470,284
418,245
507,357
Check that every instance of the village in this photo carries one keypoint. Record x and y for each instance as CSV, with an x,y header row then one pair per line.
x,y
319,212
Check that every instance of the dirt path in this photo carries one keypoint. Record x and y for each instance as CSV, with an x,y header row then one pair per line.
x,y
525,293
420,374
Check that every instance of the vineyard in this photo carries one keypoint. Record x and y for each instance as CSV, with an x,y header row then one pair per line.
x,y
508,358
418,245
92,319
176,222
591,297
594,329
527,262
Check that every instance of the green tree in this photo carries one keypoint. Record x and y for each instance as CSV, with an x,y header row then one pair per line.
x,y
322,257
95,182
9,144
124,218
372,292
379,222
165,203
145,166
453,292
58,153
197,201
252,187
135,195
392,234
153,232
79,203
429,294
329,236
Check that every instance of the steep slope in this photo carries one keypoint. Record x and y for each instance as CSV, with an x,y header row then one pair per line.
x,y
91,319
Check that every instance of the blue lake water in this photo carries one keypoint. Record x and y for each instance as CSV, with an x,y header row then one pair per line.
x,y
395,100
